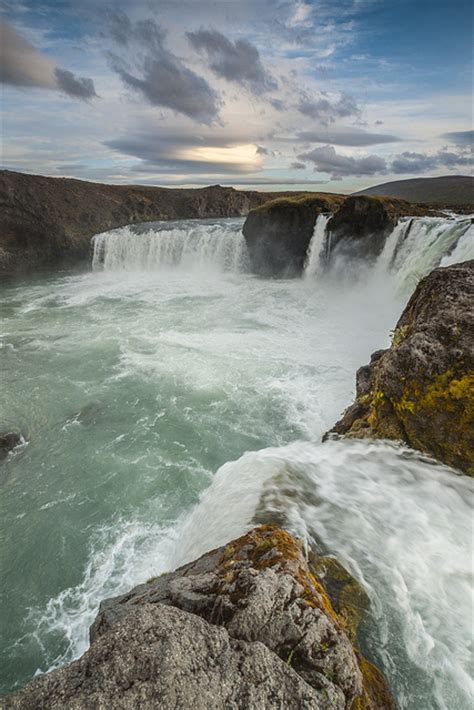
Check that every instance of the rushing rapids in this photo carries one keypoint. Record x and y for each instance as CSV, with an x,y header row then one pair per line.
x,y
170,401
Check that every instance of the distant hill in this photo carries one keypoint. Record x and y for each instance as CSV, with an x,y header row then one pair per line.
x,y
450,189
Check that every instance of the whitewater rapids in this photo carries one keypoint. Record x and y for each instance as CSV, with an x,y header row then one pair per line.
x,y
171,401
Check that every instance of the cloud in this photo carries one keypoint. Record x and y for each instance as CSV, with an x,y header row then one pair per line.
x,y
460,137
188,153
409,162
237,61
261,150
325,110
326,160
76,87
22,65
161,77
298,166
346,136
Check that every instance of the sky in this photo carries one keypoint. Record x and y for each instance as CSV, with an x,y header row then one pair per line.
x,y
330,95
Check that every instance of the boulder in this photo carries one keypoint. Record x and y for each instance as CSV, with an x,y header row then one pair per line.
x,y
8,441
421,389
246,626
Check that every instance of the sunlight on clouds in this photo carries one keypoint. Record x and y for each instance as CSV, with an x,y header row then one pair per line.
x,y
242,155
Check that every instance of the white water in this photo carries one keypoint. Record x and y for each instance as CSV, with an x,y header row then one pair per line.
x,y
192,244
186,361
317,251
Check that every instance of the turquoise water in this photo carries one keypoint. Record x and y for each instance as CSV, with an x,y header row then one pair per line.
x,y
135,384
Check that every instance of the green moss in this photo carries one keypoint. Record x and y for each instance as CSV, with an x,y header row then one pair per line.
x,y
399,335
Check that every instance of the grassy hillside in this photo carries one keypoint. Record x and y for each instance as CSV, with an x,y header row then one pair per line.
x,y
451,189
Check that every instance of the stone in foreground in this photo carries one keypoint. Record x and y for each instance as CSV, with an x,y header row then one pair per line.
x,y
245,626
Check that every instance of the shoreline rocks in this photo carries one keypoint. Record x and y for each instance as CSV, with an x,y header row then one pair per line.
x,y
421,390
247,625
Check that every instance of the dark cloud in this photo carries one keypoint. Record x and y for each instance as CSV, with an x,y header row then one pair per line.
x,y
237,61
325,110
410,162
278,104
261,150
76,87
298,166
460,137
161,77
326,160
347,136
23,65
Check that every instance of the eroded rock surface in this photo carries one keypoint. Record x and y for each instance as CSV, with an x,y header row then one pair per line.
x,y
421,389
245,626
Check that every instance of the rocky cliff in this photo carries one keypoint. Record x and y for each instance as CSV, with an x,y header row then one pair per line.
x,y
278,233
49,221
249,625
421,389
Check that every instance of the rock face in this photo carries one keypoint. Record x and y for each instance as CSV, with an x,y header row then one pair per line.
x,y
278,233
49,221
421,390
245,626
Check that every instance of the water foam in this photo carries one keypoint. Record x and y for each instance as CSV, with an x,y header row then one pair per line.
x,y
396,519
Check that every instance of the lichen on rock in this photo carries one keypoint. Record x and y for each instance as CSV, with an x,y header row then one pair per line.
x,y
248,625
421,389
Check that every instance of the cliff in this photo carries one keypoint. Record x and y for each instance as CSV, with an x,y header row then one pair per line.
x,y
49,221
249,625
278,233
421,389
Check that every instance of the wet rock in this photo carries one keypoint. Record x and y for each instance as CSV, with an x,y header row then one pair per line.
x,y
8,441
245,626
278,233
361,225
421,389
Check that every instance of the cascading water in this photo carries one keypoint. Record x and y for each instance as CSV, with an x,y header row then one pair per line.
x,y
414,247
317,251
171,400
194,244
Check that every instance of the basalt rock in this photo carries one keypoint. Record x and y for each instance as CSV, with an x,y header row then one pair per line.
x,y
48,221
421,389
8,441
278,233
360,227
246,626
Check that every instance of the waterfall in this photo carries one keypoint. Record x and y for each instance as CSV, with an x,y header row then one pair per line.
x,y
317,252
193,244
416,246
420,245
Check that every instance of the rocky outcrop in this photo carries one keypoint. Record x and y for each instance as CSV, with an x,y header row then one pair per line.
x,y
361,225
9,440
421,389
246,626
278,233
49,221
